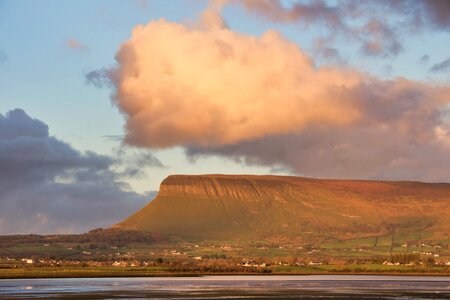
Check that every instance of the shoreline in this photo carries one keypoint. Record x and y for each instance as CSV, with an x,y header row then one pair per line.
x,y
100,274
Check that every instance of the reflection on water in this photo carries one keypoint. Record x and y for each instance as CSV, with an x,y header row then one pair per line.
x,y
236,287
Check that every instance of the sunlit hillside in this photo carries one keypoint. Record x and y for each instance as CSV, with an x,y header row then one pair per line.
x,y
280,208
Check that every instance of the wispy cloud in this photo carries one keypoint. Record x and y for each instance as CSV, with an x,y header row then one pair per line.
x,y
424,59
443,66
75,44
100,78
142,4
378,26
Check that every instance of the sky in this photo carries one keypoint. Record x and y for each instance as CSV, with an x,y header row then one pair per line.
x,y
101,100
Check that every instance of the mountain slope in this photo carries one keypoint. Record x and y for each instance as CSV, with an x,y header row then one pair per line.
x,y
280,207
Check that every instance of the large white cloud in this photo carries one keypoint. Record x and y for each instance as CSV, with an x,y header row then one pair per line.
x,y
215,91
194,87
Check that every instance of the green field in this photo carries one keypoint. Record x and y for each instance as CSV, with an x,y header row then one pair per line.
x,y
114,252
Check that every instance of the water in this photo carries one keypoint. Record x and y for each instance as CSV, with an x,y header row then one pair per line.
x,y
234,287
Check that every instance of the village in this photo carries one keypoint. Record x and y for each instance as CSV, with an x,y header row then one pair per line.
x,y
219,257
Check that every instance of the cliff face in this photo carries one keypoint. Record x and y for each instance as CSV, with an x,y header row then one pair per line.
x,y
279,207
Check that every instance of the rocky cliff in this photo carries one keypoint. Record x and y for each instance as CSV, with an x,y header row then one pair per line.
x,y
282,207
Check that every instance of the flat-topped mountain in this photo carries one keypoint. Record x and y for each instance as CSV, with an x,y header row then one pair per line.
x,y
283,207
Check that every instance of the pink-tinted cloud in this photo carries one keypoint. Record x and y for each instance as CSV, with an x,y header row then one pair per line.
x,y
262,100
75,44
218,87
143,4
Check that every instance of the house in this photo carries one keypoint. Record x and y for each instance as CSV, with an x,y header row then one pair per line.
x,y
119,264
250,263
27,260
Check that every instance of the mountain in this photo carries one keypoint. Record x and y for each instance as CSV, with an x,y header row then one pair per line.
x,y
250,207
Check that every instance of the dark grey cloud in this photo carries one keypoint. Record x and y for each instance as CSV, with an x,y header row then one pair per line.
x,y
136,162
100,78
358,153
443,66
417,14
47,186
114,137
436,13
17,123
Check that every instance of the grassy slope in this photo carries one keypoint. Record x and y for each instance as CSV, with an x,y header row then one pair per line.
x,y
275,207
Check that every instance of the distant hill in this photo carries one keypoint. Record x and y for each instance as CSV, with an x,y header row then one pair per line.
x,y
109,237
250,207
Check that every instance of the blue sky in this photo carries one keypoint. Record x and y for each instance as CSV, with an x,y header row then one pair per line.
x,y
46,77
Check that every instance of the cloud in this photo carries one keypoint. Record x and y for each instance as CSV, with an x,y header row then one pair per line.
x,y
262,100
423,13
436,13
390,146
75,44
47,186
100,78
142,4
443,66
211,17
171,99
424,59
365,152
135,162
378,26
382,40
312,12
17,123
323,50
405,135
371,31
